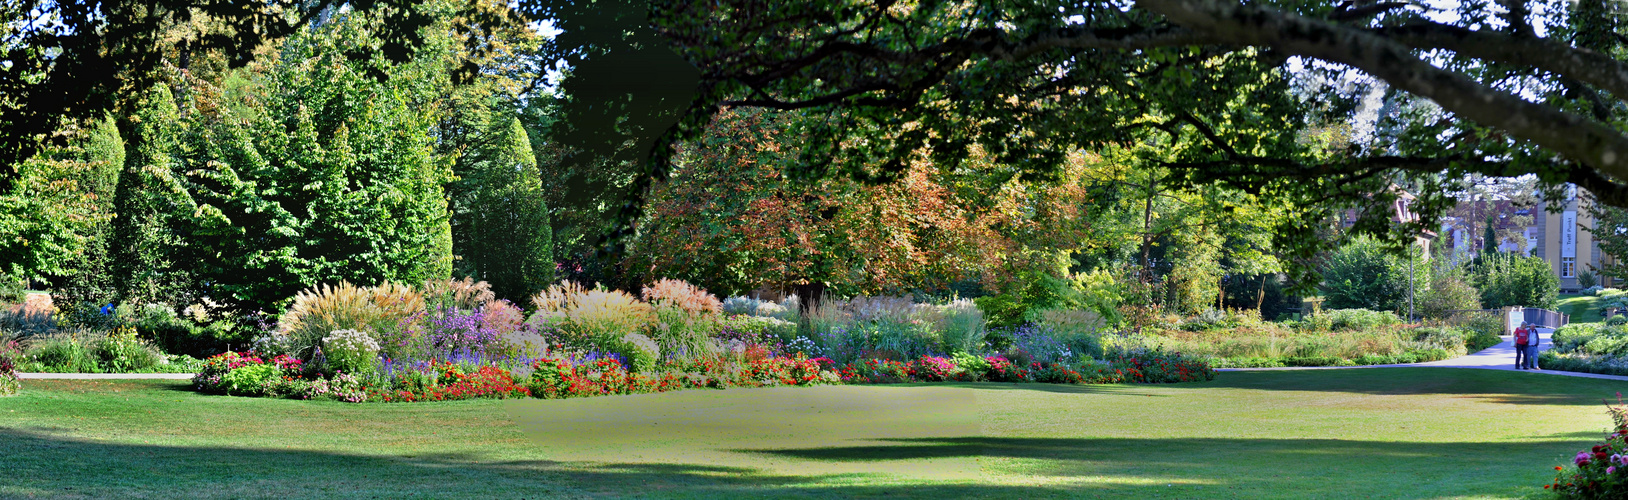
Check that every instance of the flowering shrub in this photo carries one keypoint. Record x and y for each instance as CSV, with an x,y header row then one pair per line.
x,y
453,383
350,351
934,369
1003,370
557,377
217,375
1600,472
9,384
342,387
878,371
1153,366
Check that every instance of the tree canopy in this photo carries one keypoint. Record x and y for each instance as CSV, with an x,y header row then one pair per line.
x,y
1256,96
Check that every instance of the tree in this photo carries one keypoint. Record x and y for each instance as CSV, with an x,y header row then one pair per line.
x,y
88,278
500,223
53,217
1363,275
78,61
1508,279
151,207
1029,82
328,175
731,219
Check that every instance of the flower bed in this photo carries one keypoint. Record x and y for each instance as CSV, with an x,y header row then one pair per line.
x,y
1600,472
245,374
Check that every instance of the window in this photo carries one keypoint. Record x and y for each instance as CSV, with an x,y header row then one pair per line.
x,y
1568,267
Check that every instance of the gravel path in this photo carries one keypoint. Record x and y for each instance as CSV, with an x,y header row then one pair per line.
x,y
1498,357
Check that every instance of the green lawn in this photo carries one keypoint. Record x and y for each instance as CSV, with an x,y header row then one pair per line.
x,y
1365,433
1582,308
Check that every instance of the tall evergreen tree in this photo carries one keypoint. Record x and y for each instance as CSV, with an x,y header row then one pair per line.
x,y
88,279
500,223
150,206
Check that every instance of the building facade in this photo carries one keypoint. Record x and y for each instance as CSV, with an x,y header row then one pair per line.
x,y
1565,239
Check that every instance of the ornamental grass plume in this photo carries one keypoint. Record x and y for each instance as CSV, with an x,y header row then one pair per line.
x,y
466,294
589,320
682,295
320,310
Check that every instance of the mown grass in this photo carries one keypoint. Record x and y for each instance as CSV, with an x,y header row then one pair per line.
x,y
1582,308
1369,433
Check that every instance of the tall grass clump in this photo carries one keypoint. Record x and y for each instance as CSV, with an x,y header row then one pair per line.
x,y
379,310
596,320
685,318
1079,330
962,327
465,294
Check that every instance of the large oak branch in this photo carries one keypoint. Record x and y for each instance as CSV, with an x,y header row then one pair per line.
x,y
1578,138
1548,55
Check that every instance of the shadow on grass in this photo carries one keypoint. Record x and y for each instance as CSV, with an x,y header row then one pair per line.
x,y
40,464
1493,386
1104,389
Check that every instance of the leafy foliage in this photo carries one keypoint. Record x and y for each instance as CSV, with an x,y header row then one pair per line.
x,y
1507,279
1363,275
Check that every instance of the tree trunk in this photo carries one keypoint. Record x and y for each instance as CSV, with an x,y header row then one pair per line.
x,y
1260,297
808,295
1147,235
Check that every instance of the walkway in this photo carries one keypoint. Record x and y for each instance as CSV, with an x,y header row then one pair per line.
x,y
1498,357
105,376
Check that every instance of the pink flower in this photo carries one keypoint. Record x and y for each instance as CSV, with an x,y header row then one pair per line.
x,y
1610,469
1581,458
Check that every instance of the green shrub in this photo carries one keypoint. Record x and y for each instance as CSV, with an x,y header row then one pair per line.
x,y
1316,361
640,351
1360,319
1568,337
122,352
250,380
1447,294
63,353
1507,279
1364,274
12,290
1617,320
973,367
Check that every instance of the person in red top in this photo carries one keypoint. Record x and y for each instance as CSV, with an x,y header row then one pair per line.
x,y
1524,336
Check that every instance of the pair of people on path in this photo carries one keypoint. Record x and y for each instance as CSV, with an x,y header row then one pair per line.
x,y
1526,347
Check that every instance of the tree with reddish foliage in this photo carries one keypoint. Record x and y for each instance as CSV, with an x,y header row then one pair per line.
x,y
732,218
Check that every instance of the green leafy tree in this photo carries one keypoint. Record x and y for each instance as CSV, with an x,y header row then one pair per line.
x,y
330,176
500,223
1509,279
1363,274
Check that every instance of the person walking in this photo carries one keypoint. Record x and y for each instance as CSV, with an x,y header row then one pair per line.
x,y
1532,347
1523,338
